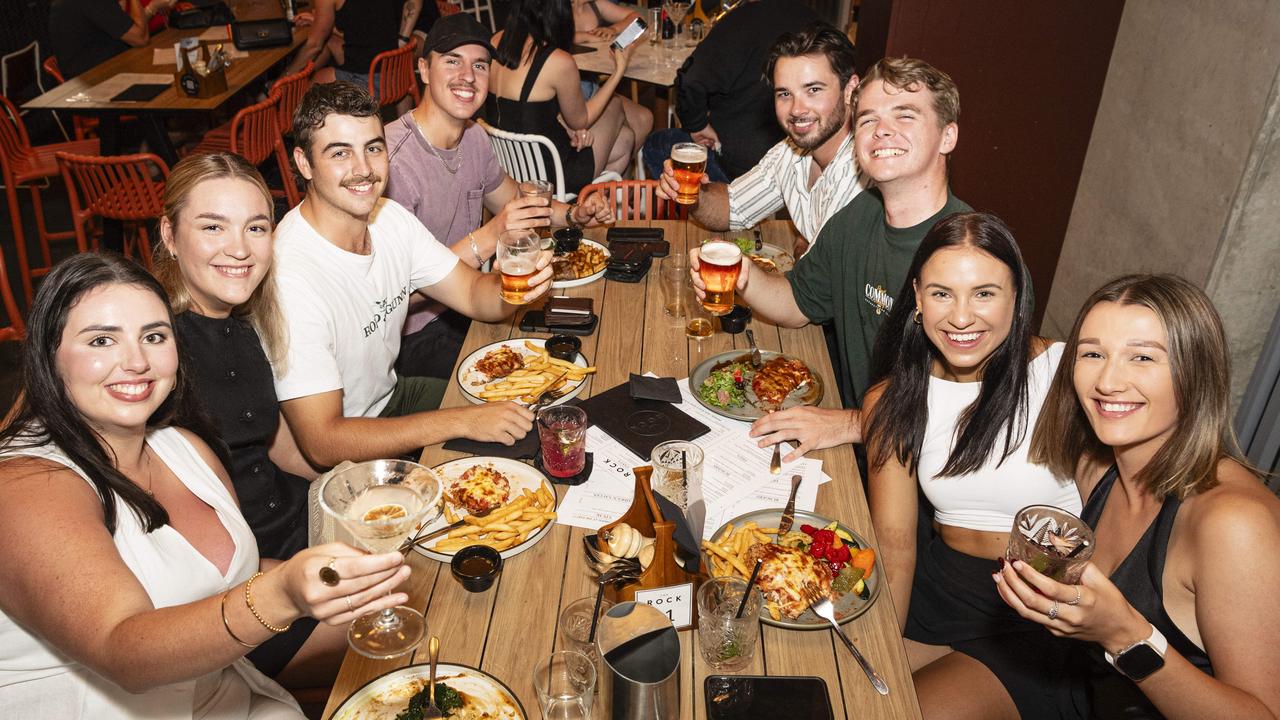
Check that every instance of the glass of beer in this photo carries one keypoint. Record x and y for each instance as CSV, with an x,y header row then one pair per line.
x,y
542,189
720,262
688,163
517,261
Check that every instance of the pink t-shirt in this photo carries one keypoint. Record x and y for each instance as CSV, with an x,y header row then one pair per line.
x,y
449,204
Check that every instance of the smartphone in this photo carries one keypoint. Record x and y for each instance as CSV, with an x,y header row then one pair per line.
x,y
738,697
630,34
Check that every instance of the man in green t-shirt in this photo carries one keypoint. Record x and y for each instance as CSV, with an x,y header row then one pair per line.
x,y
905,114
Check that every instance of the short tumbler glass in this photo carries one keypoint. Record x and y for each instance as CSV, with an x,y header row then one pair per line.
x,y
727,641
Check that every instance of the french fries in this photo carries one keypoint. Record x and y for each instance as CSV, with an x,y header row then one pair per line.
x,y
507,526
587,260
540,373
728,554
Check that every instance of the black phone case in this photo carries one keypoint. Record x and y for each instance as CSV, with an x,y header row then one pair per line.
x,y
536,321
739,697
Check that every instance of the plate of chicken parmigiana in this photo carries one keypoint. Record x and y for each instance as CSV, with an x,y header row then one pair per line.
x,y
816,549
502,503
728,384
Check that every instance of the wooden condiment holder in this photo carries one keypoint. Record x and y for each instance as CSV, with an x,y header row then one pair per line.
x,y
645,516
193,83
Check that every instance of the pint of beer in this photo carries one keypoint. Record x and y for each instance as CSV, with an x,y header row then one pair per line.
x,y
688,163
720,263
542,189
517,260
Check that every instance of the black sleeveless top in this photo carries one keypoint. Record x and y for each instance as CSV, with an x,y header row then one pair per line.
x,y
1140,576
368,27
541,118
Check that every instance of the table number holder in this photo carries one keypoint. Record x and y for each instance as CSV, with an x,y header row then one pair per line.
x,y
645,516
191,58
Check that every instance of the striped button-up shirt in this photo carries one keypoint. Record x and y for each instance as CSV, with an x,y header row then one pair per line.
x,y
782,178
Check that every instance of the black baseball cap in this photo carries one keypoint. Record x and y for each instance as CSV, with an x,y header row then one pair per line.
x,y
452,31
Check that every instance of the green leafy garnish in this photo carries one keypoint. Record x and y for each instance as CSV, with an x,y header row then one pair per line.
x,y
746,244
447,699
730,650
721,390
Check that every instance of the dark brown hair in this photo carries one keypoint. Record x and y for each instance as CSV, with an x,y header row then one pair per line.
x,y
1187,462
325,99
817,39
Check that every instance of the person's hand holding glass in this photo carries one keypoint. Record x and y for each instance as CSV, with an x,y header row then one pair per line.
x,y
524,265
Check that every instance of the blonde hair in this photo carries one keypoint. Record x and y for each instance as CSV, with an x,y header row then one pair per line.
x,y
262,310
911,75
1202,437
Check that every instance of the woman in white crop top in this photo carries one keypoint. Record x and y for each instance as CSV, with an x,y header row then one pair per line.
x,y
128,569
962,382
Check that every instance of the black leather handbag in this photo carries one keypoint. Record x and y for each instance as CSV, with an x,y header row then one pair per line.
x,y
216,13
258,34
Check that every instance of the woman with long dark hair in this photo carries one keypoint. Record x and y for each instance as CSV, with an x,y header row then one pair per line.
x,y
962,382
534,88
1177,606
132,584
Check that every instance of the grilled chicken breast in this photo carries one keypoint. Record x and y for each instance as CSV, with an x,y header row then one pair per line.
x,y
777,379
784,572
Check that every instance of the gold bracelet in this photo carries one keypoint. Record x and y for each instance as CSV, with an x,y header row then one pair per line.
x,y
248,600
227,624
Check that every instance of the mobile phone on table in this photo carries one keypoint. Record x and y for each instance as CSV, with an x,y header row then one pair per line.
x,y
739,697
630,34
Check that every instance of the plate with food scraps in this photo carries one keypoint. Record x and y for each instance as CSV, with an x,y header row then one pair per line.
x,y
770,258
515,369
727,384
789,563
584,265
517,503
477,694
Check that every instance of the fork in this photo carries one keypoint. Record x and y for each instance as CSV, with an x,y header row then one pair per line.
x,y
821,606
547,398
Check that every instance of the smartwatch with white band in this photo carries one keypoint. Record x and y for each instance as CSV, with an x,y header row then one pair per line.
x,y
1142,658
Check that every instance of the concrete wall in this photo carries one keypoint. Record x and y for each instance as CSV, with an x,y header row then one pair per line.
x,y
1183,170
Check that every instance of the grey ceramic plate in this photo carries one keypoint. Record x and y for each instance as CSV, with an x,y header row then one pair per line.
x,y
848,606
810,394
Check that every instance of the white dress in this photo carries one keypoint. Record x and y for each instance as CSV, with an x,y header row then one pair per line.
x,y
39,681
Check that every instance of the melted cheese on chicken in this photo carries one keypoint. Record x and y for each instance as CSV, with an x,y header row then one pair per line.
x,y
480,489
783,574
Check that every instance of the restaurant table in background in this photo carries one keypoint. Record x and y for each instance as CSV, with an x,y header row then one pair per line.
x,y
655,64
508,629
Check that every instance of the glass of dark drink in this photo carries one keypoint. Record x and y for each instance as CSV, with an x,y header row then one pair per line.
x,y
720,262
562,432
688,163
1053,541
517,261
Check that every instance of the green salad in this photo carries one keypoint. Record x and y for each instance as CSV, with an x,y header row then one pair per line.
x,y
724,386
746,244
447,699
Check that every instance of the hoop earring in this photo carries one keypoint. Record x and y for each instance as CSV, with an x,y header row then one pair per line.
x,y
917,318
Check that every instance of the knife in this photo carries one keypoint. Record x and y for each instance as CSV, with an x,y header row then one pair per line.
x,y
789,514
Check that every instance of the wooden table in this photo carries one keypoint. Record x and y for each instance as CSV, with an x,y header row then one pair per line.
x,y
508,628
649,63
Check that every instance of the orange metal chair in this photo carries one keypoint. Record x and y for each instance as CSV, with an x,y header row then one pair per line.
x,y
447,8
291,88
635,200
255,136
85,127
24,164
120,187
15,330
393,72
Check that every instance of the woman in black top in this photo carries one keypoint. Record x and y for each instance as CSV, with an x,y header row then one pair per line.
x,y
217,232
1181,591
534,88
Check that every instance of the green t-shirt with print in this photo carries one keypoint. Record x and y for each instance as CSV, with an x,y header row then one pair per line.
x,y
852,275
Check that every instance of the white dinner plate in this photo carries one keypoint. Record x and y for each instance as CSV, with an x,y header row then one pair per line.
x,y
557,284
472,381
387,695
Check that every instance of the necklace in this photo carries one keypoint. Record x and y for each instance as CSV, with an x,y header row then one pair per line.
x,y
457,152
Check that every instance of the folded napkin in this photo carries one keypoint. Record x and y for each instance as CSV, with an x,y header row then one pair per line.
x,y
524,449
654,388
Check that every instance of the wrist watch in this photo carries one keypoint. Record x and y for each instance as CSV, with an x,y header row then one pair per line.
x,y
1142,658
568,216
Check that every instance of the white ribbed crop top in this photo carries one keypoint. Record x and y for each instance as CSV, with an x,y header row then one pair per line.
x,y
988,498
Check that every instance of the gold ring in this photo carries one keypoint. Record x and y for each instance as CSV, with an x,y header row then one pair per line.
x,y
1078,594
328,575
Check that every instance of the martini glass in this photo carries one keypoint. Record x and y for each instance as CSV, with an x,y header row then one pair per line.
x,y
380,502
677,9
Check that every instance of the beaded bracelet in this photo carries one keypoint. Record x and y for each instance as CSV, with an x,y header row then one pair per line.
x,y
248,600
227,624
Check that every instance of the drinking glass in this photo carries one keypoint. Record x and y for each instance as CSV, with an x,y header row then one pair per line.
x,y
575,628
720,262
539,189
727,641
381,502
675,285
517,261
677,10
677,472
688,164
1051,540
655,25
565,683
562,432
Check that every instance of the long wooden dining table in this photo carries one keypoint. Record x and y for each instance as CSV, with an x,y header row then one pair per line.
x,y
507,629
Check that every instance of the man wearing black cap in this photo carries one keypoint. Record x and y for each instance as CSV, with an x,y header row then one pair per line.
x,y
443,170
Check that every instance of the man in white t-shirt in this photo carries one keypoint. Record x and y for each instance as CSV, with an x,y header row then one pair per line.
x,y
347,261
813,172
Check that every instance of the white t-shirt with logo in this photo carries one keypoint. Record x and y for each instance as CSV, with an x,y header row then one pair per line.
x,y
344,312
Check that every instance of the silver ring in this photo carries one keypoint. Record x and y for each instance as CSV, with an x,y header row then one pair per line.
x,y
1077,600
1053,610
351,609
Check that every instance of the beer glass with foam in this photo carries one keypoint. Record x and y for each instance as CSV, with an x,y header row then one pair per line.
x,y
517,262
688,163
720,261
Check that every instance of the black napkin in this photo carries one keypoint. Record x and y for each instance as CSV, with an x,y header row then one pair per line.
x,y
640,424
655,388
524,449
683,535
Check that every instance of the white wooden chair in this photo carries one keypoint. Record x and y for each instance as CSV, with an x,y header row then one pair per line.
x,y
476,7
518,155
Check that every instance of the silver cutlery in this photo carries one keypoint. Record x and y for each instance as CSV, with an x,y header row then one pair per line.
x,y
821,606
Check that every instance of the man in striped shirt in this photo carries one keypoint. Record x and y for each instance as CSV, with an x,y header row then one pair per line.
x,y
813,171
